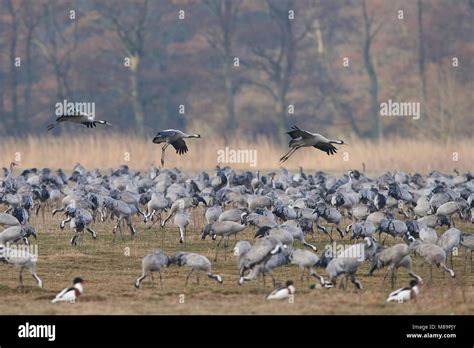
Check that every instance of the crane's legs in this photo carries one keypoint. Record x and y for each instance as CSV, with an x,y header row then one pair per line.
x,y
163,154
288,154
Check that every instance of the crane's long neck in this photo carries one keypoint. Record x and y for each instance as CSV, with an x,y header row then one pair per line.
x,y
10,174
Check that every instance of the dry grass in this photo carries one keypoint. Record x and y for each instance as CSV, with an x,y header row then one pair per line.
x,y
103,150
110,275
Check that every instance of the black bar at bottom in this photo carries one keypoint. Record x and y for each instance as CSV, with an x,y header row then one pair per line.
x,y
334,330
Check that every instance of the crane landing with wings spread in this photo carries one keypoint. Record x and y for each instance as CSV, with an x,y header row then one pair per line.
x,y
301,138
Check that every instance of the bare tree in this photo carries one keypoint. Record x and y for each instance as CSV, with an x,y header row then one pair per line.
x,y
369,34
421,48
30,17
58,44
278,63
12,56
130,29
220,39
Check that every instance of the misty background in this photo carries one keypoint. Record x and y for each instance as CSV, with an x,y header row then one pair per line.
x,y
240,67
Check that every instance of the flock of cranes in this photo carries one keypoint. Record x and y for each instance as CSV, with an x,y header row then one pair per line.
x,y
174,137
288,213
292,217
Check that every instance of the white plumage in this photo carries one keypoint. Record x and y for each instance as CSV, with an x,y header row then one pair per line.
x,y
282,293
405,294
70,294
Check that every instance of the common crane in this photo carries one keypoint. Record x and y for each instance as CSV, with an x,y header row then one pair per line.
x,y
175,138
79,117
301,138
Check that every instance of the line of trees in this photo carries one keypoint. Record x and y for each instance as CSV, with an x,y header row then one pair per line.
x,y
245,66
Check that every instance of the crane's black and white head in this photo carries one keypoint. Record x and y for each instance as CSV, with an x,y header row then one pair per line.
x,y
207,230
179,259
443,220
262,232
70,211
198,199
29,231
409,239
244,218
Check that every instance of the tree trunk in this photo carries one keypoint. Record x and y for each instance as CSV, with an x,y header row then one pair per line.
x,y
421,48
280,109
229,88
13,68
29,79
136,103
374,105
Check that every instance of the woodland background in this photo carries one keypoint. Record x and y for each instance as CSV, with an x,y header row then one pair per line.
x,y
282,62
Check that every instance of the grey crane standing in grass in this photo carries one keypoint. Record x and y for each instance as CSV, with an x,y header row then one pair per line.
x,y
9,181
175,138
393,257
277,260
195,262
467,241
122,210
449,242
8,220
307,261
431,254
301,138
153,262
78,117
181,221
224,229
258,255
14,234
348,261
80,220
21,259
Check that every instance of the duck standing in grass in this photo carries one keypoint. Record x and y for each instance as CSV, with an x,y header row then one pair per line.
x,y
71,294
405,294
282,293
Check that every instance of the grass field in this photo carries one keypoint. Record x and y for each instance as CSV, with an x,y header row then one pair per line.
x,y
103,150
110,275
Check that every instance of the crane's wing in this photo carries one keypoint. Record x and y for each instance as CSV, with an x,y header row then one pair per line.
x,y
163,136
167,133
298,133
180,146
326,147
72,115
